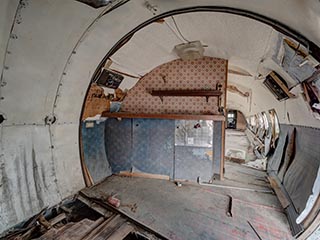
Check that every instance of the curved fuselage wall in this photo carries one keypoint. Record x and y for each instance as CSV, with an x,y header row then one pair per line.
x,y
52,52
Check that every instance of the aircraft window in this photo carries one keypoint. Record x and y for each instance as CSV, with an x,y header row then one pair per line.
x,y
265,121
260,120
275,125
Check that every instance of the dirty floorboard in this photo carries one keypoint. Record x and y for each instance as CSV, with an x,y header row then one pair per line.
x,y
199,212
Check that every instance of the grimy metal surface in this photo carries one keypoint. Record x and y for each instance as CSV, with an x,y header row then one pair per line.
x,y
48,59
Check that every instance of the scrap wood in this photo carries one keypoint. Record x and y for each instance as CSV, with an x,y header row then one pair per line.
x,y
98,208
28,227
290,152
254,230
57,219
247,202
96,102
248,183
282,198
236,160
100,225
122,232
234,89
43,221
132,207
65,209
143,175
236,188
229,211
121,212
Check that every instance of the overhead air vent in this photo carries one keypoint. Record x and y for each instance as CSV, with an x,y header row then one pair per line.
x,y
190,50
277,86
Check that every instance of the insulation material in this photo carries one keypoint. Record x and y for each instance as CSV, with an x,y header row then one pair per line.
x,y
295,63
300,176
289,155
311,200
258,164
202,73
275,160
96,102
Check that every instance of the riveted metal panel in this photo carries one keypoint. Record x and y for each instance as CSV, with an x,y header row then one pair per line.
x,y
67,158
28,174
41,41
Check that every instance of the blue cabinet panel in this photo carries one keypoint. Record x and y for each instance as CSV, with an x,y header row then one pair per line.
x,y
193,162
153,146
119,144
94,150
159,146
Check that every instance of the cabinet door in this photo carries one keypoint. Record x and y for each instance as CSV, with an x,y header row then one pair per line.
x,y
93,142
193,150
119,144
153,146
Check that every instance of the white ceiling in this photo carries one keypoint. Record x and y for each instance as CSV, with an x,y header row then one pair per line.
x,y
244,42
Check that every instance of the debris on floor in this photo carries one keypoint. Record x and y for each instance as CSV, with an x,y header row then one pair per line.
x,y
81,219
260,163
229,211
114,201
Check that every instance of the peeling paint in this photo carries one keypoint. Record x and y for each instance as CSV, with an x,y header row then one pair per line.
x,y
37,179
6,203
43,175
19,183
27,183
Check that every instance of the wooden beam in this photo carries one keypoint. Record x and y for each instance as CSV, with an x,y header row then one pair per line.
x,y
187,93
163,116
282,198
144,175
122,232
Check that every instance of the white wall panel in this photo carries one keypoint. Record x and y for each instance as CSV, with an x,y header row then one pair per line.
x,y
8,10
28,180
44,38
93,47
67,158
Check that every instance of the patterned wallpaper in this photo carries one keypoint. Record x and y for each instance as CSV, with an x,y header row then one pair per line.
x,y
202,73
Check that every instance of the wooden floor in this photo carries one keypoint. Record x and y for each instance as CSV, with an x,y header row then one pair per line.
x,y
199,212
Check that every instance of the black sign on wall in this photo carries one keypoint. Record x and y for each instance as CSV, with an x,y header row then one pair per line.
x,y
109,79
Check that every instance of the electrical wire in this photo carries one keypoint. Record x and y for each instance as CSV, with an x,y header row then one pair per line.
x,y
175,24
174,32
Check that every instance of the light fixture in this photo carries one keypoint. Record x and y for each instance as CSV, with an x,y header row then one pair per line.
x,y
190,50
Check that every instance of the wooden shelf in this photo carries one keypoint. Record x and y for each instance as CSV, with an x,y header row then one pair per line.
x,y
186,93
163,116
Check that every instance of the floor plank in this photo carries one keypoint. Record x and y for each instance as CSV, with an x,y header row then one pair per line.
x,y
197,212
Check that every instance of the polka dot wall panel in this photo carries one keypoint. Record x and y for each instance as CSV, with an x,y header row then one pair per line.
x,y
200,74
